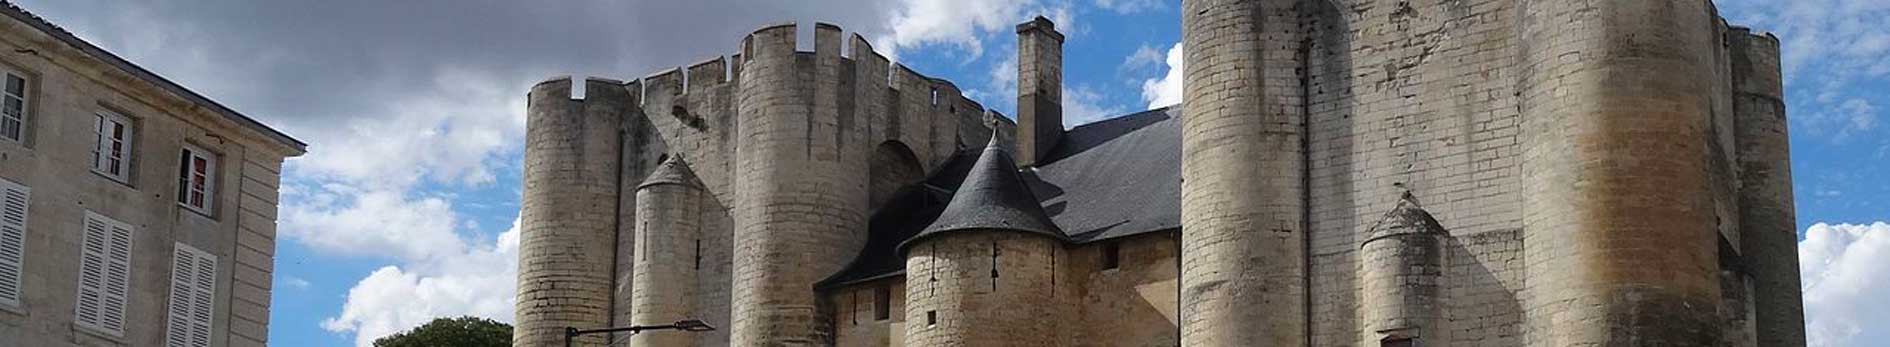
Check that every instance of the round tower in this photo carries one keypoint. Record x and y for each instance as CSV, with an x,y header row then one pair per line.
x,y
1401,266
1767,224
981,274
1618,225
1242,191
800,187
669,208
568,211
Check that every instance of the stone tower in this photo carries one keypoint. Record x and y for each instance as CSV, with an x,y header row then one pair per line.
x,y
982,272
1400,277
668,208
569,209
1243,276
1342,173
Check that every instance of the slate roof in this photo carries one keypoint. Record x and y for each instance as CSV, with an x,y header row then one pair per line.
x,y
20,14
993,196
1109,179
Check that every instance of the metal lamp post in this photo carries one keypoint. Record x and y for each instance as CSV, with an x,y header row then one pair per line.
x,y
690,325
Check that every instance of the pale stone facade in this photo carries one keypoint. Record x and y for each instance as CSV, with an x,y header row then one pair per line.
x,y
1342,173
229,239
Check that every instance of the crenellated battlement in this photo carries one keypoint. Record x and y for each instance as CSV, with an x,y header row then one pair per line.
x,y
779,41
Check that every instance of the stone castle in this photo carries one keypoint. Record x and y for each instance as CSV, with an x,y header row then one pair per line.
x,y
1342,173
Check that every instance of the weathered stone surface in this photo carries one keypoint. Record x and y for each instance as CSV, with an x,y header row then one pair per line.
x,y
1591,172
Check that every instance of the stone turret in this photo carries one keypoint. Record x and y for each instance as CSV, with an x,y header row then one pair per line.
x,y
1242,192
801,177
1617,212
980,275
669,209
569,210
1039,90
1400,269
1767,223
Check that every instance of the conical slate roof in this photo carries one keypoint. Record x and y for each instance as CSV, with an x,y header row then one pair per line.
x,y
1406,218
993,196
671,171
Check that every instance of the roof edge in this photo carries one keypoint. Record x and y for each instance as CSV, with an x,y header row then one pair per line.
x,y
21,14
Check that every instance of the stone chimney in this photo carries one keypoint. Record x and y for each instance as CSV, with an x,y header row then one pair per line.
x,y
1039,90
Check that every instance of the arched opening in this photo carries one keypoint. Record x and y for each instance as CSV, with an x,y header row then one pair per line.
x,y
893,166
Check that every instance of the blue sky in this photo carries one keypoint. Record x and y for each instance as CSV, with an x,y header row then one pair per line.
x,y
404,208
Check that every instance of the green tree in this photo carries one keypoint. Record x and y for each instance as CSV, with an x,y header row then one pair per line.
x,y
467,331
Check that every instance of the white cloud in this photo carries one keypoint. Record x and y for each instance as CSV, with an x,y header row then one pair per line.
x,y
1129,6
1144,56
476,282
1082,105
1833,50
1843,268
294,282
342,220
448,131
963,23
1165,91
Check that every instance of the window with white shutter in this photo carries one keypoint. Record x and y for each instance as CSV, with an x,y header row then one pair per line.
x,y
13,203
104,274
193,287
196,179
112,154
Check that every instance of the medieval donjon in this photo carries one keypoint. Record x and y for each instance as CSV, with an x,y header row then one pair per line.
x,y
1342,173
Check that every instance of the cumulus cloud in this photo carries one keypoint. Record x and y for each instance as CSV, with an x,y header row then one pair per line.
x,y
393,299
1165,91
1844,280
964,24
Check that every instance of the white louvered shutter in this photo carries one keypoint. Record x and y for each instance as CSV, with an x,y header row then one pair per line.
x,y
13,202
193,289
104,273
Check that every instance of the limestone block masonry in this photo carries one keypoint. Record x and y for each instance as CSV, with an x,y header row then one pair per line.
x,y
568,216
1243,165
1358,173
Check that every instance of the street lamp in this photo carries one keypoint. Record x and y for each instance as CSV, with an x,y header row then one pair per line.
x,y
690,325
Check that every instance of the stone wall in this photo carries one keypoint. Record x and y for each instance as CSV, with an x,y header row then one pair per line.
x,y
981,288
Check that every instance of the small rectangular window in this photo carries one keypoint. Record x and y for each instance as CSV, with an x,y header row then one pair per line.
x,y
882,302
196,179
931,318
13,111
104,274
111,156
1398,342
1111,255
